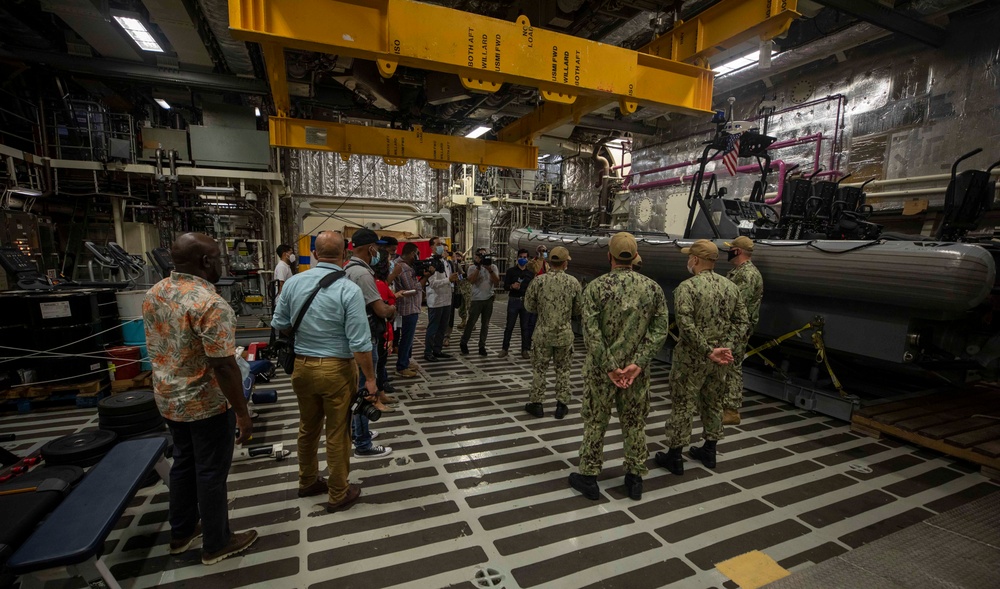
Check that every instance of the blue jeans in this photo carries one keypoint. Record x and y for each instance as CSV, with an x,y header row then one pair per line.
x,y
203,453
437,326
359,423
407,332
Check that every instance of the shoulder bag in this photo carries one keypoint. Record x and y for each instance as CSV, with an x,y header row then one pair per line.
x,y
285,345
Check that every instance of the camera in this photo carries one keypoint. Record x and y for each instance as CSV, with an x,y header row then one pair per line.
x,y
364,407
485,260
422,267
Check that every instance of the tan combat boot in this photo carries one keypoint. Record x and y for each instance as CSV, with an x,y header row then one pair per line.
x,y
730,417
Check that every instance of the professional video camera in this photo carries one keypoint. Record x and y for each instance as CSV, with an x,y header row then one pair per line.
x,y
364,407
485,260
423,267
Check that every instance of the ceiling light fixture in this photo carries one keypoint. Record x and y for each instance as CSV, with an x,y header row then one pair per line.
x,y
29,192
139,33
479,132
739,63
163,103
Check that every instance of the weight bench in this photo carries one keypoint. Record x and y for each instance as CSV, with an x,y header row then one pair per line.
x,y
73,536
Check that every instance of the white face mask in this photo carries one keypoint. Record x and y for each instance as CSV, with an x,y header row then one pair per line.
x,y
690,268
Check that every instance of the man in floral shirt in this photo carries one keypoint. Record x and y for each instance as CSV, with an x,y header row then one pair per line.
x,y
191,337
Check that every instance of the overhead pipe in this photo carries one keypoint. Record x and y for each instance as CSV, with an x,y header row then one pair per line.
x,y
781,166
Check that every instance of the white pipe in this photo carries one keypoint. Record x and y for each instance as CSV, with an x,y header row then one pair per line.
x,y
910,180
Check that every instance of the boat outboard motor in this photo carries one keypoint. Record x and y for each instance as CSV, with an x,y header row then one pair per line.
x,y
968,198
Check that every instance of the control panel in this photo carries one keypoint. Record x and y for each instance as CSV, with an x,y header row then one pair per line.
x,y
734,217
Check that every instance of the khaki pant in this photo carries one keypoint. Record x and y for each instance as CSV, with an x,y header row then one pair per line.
x,y
325,388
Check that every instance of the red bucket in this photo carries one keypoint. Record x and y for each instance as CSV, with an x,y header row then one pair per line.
x,y
126,360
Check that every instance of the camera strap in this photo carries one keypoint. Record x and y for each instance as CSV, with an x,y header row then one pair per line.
x,y
323,283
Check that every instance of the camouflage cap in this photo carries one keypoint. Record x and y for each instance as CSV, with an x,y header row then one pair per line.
x,y
623,247
742,242
703,249
559,254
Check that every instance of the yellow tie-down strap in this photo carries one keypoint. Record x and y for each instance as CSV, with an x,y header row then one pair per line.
x,y
817,338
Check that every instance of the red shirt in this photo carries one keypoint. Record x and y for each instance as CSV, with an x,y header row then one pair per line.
x,y
390,299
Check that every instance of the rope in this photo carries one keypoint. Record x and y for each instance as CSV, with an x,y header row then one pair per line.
x,y
40,352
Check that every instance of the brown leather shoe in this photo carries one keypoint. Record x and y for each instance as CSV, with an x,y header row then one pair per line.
x,y
730,417
238,542
181,545
353,492
317,488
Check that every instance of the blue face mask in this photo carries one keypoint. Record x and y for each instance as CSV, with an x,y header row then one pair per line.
x,y
522,262
376,258
439,250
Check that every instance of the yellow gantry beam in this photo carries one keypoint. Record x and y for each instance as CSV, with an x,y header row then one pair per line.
x,y
396,146
484,52
720,27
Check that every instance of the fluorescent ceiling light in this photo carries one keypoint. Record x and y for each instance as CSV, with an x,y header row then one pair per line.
x,y
139,34
479,132
26,192
256,111
739,63
163,103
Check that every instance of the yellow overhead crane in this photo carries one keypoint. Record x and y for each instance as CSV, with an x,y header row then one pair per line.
x,y
573,75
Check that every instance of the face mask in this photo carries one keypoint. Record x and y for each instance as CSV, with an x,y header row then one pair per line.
x,y
522,262
732,255
376,257
545,255
439,250
690,268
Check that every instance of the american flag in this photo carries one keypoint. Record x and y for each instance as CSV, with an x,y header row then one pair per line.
x,y
731,154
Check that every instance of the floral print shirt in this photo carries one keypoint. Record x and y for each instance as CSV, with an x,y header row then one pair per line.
x,y
187,323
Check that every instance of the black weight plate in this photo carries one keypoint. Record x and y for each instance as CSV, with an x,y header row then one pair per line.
x,y
126,403
158,430
65,472
113,421
79,448
138,427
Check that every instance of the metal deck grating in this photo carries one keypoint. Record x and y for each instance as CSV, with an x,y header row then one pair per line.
x,y
475,483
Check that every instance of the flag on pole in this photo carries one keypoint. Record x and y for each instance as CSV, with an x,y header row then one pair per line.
x,y
731,154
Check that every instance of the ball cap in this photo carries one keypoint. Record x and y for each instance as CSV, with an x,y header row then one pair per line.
x,y
363,237
703,249
388,240
559,254
742,242
623,247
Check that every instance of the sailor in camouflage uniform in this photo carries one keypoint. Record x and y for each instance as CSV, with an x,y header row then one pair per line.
x,y
747,278
464,288
555,297
710,316
624,325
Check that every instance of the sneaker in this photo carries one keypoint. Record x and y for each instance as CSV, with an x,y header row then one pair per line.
x,y
372,432
181,545
443,356
406,373
482,351
353,492
388,389
386,399
525,354
237,544
373,452
318,487
535,409
502,354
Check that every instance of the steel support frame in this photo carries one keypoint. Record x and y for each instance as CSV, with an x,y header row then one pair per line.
x,y
397,146
715,29
484,52
891,20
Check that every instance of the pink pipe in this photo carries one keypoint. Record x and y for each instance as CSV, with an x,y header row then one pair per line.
x,y
779,164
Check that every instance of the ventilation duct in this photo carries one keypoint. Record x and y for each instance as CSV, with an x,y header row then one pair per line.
x,y
237,57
